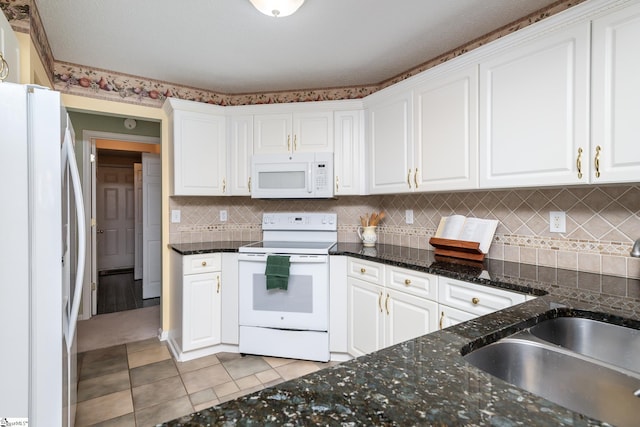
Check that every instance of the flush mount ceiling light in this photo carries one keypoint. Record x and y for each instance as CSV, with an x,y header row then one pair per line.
x,y
277,8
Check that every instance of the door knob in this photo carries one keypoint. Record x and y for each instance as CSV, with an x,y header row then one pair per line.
x,y
99,231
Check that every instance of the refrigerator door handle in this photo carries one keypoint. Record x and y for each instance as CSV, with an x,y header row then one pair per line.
x,y
70,158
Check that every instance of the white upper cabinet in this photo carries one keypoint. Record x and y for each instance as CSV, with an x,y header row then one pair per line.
x,y
240,151
198,148
291,133
534,110
349,164
615,108
9,48
390,143
446,130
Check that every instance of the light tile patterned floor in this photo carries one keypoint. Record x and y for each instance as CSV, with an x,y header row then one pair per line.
x,y
140,384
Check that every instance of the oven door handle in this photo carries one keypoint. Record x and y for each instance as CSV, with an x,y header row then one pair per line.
x,y
293,259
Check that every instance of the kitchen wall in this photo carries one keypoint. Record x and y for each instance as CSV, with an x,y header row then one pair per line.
x,y
602,222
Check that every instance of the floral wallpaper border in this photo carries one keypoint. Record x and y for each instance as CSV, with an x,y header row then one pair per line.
x,y
92,82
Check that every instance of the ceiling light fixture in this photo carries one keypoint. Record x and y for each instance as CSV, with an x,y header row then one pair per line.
x,y
277,8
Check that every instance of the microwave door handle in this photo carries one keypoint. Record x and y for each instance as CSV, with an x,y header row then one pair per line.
x,y
309,189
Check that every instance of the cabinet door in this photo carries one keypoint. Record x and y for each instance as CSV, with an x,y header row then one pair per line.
x,y
365,317
446,125
534,100
272,133
408,316
10,49
450,316
348,161
616,97
201,310
199,151
391,165
313,131
240,149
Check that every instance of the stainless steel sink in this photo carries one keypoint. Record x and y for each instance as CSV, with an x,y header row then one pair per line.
x,y
566,363
609,343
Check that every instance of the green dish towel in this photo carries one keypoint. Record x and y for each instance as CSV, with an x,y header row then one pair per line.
x,y
277,272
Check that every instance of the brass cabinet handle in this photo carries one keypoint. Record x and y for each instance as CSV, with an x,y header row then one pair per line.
x,y
596,161
475,300
4,68
295,145
204,263
218,290
407,282
337,184
249,184
441,319
363,270
415,178
224,186
409,178
288,142
386,304
380,301
579,163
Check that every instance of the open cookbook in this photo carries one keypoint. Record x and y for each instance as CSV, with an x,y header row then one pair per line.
x,y
460,227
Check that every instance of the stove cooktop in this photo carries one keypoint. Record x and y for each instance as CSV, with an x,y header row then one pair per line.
x,y
273,246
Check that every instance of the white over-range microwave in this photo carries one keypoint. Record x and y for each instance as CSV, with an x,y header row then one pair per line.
x,y
292,176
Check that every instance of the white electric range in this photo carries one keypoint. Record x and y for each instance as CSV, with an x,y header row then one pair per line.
x,y
293,322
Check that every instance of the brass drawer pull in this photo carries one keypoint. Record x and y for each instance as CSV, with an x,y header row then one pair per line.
x,y
204,263
407,282
579,163
475,300
363,270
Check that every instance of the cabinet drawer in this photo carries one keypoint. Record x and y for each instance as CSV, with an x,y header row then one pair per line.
x,y
370,271
412,282
202,263
474,298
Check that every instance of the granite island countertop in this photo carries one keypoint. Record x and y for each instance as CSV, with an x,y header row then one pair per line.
x,y
425,381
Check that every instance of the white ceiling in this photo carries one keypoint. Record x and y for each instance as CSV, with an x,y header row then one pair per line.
x,y
227,46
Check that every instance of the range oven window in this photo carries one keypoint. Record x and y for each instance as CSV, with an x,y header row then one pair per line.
x,y
297,298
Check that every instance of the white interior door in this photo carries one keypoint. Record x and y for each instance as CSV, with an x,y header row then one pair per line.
x,y
137,194
151,225
115,217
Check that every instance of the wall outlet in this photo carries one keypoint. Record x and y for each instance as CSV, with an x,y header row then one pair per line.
x,y
175,215
223,215
557,222
408,216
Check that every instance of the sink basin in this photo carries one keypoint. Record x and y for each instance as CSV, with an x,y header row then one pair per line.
x,y
581,364
609,343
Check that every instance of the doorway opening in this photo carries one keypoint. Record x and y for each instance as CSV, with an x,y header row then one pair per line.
x,y
125,174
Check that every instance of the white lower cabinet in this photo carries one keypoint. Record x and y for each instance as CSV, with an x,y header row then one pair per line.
x,y
388,305
379,315
461,301
196,306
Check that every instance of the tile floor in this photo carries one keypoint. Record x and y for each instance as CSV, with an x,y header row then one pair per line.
x,y
140,384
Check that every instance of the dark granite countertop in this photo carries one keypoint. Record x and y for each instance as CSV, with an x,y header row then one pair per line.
x,y
207,247
425,381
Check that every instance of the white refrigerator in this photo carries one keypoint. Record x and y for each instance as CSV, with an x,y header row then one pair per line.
x,y
41,258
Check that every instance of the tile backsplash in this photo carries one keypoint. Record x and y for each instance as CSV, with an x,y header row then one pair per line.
x,y
602,222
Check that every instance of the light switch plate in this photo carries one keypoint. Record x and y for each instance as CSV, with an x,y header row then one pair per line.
x,y
175,216
408,216
223,215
